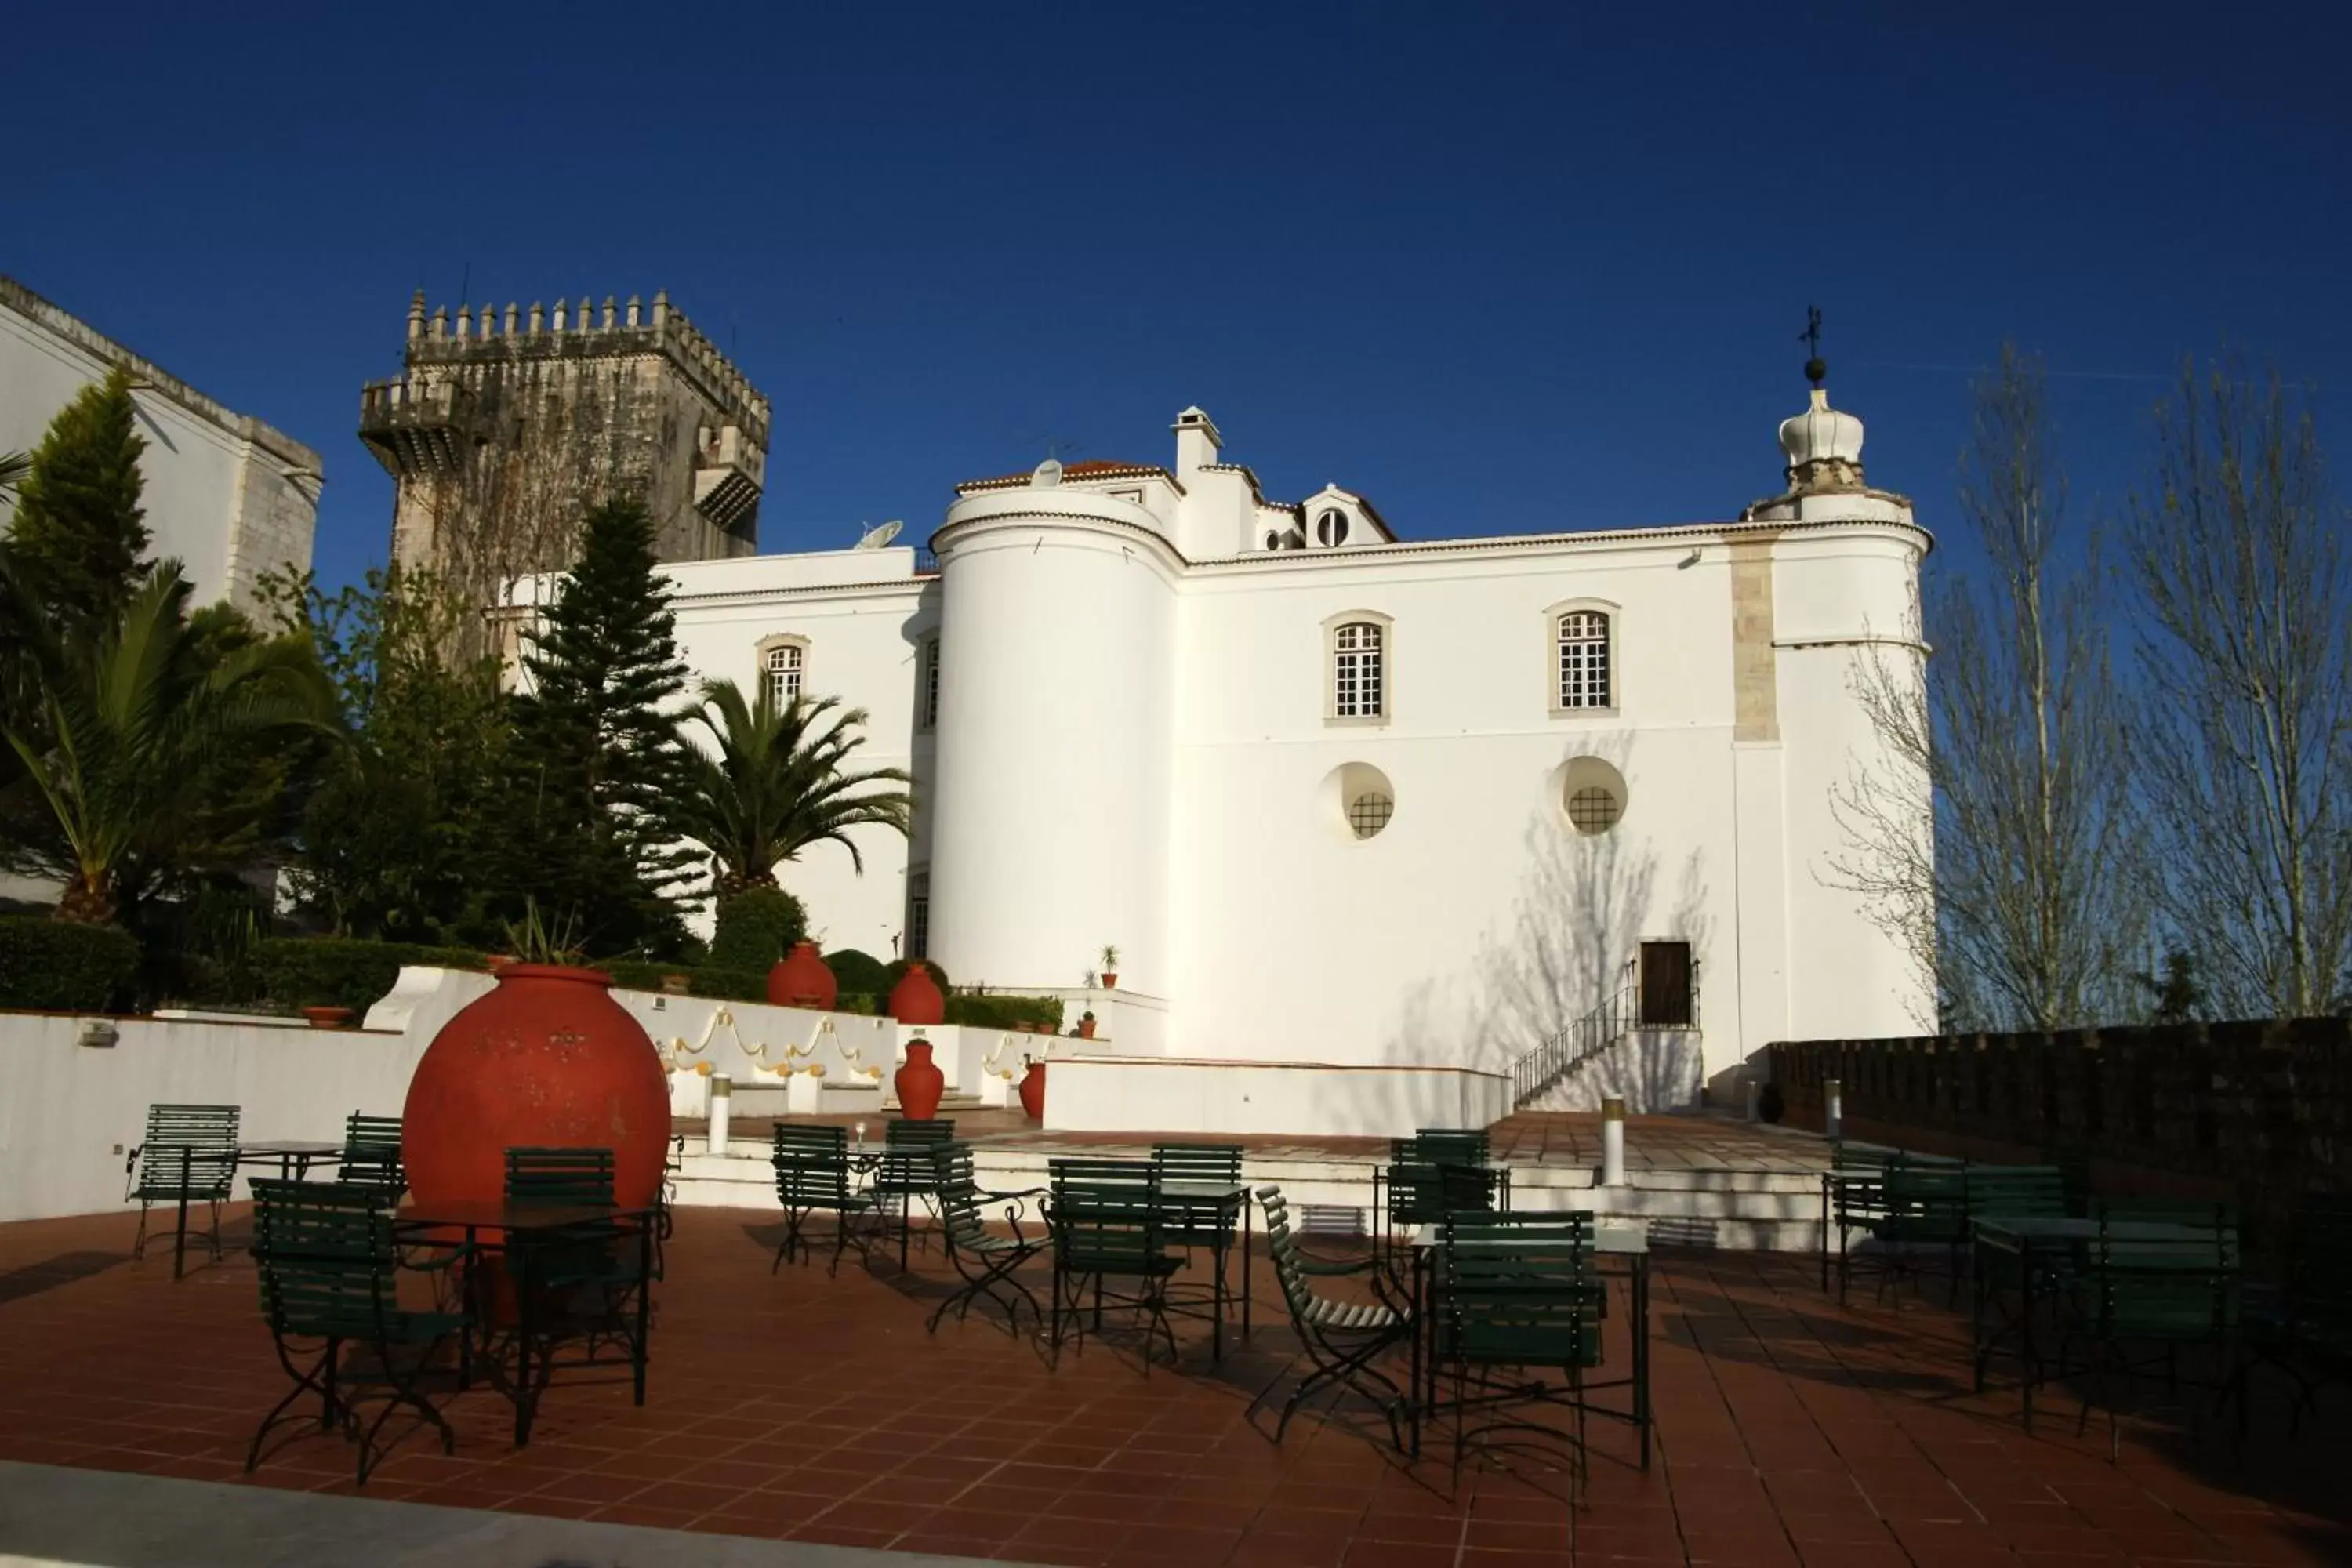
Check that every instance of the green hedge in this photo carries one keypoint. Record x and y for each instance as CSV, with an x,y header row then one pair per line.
x,y
56,966
339,971
756,927
860,973
730,985
996,1012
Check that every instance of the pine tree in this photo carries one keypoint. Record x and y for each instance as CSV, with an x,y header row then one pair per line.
x,y
78,532
597,758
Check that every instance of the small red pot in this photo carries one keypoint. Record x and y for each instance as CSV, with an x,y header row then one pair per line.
x,y
329,1017
1086,1028
919,1083
1032,1092
1110,979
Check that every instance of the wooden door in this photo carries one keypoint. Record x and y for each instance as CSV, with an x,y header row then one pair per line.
x,y
1666,984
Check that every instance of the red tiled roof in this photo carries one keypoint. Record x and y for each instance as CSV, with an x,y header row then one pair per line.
x,y
1092,468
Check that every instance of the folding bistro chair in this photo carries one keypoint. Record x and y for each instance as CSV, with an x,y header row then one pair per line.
x,y
188,1156
330,1283
985,1259
1342,1339
1107,1225
812,1173
1520,1294
372,1155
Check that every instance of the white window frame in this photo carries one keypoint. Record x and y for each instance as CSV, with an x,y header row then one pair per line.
x,y
1384,704
1556,668
770,647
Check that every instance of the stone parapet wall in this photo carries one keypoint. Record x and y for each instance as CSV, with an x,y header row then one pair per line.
x,y
2261,1109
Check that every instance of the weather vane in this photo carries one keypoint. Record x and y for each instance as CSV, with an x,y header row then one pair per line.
x,y
1816,370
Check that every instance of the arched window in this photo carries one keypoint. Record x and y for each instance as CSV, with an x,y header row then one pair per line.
x,y
1359,673
1583,641
786,664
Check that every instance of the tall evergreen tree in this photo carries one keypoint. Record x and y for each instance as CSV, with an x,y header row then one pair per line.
x,y
78,531
596,757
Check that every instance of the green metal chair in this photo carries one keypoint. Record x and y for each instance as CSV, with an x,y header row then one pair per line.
x,y
189,1156
328,1270
1107,1225
812,1174
1921,1207
1519,1293
1213,1164
1342,1339
372,1155
585,1276
984,1259
2304,1327
904,1172
2152,1295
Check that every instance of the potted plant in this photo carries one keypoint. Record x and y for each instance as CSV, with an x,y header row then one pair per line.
x,y
1086,1029
329,1017
677,984
1110,968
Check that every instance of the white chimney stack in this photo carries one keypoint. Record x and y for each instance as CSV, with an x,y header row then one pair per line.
x,y
1197,443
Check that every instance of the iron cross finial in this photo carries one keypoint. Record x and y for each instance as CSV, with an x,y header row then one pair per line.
x,y
1816,370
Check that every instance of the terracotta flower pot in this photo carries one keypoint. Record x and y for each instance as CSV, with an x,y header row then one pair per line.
x,y
549,1060
1086,1028
916,999
802,978
677,984
1032,1092
1110,979
919,1083
329,1017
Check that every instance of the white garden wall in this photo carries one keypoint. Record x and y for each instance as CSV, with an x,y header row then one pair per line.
x,y
1161,1094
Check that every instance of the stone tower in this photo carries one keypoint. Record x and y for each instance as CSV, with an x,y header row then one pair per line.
x,y
502,434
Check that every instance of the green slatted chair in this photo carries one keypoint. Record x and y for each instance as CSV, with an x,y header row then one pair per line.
x,y
1922,1206
1107,1225
2304,1329
903,1171
1215,1164
585,1276
1342,1339
1519,1293
189,1156
2152,1295
372,1155
329,1270
985,1259
812,1174
1454,1145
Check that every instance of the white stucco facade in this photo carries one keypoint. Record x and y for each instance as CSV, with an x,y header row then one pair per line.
x,y
1350,801
224,494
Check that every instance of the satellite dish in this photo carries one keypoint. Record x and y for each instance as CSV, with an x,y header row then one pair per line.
x,y
875,537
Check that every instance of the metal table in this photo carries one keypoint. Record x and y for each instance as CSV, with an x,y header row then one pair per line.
x,y
1626,1239
1226,1202
295,1156
2037,1244
494,1228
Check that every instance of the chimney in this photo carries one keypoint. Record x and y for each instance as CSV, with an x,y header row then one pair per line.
x,y
1197,443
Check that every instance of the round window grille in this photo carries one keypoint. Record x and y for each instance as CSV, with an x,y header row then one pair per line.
x,y
1370,812
1593,810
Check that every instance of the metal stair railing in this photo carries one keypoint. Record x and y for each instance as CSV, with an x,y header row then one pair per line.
x,y
1587,1037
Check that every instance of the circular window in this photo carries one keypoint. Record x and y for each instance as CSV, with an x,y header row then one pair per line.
x,y
1591,793
1331,527
1370,812
1357,801
1593,809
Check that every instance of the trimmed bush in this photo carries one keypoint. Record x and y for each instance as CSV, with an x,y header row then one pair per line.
x,y
993,1012
728,984
56,966
859,972
339,971
860,1002
756,927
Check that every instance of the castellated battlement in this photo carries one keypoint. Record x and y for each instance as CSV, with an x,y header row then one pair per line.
x,y
506,426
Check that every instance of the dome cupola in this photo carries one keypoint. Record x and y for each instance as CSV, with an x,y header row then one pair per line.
x,y
1822,445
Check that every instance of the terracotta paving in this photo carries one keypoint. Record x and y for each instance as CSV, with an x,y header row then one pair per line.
x,y
1535,1138
1789,1432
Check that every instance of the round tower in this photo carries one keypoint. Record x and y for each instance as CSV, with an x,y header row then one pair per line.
x,y
1050,807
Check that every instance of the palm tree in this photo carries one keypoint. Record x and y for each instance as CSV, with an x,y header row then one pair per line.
x,y
128,737
780,782
15,468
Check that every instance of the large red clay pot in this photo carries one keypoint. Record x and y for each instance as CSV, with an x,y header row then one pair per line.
x,y
919,1082
802,978
916,999
548,1058
1032,1092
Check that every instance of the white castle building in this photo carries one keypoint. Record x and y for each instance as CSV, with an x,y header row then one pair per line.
x,y
1375,817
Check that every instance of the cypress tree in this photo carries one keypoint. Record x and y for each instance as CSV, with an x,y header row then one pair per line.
x,y
79,534
597,757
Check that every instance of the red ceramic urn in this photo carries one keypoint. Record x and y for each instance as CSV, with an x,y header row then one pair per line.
x,y
916,999
546,1060
1033,1091
802,978
919,1083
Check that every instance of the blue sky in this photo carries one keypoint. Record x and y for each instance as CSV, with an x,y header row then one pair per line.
x,y
1500,268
